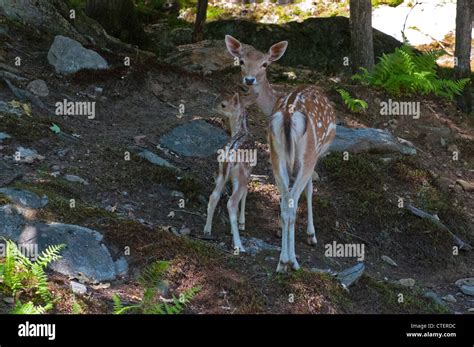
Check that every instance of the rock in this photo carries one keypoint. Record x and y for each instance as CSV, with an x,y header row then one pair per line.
x,y
407,282
155,159
38,87
177,194
9,300
389,260
466,289
357,140
205,57
69,56
466,186
465,281
435,298
181,36
195,139
450,298
6,108
121,266
4,136
84,253
25,198
253,245
349,276
41,14
319,43
184,231
25,95
75,179
27,155
78,288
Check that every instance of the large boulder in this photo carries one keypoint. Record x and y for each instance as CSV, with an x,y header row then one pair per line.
x,y
44,15
69,56
319,43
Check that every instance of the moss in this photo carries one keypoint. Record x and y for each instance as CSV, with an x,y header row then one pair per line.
x,y
4,199
24,129
385,298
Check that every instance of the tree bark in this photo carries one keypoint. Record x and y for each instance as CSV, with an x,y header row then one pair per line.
x,y
462,51
200,20
362,43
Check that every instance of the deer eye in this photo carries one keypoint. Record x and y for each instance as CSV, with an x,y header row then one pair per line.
x,y
264,65
241,62
223,105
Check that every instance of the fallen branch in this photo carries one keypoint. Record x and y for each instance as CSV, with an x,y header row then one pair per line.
x,y
434,219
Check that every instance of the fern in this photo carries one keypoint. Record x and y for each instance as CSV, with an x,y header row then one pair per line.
x,y
406,72
355,105
22,276
151,278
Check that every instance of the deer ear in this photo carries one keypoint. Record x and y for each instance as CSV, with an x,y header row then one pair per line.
x,y
249,99
233,46
236,99
277,50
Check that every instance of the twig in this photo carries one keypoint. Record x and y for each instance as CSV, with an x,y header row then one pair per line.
x,y
460,243
189,212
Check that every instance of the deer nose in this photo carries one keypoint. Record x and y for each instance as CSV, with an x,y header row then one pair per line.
x,y
249,80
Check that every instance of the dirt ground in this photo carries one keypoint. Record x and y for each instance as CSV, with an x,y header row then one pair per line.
x,y
355,200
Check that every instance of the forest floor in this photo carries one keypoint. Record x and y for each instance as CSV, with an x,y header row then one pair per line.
x,y
130,202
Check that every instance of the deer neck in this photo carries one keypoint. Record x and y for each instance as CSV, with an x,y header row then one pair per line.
x,y
267,97
238,125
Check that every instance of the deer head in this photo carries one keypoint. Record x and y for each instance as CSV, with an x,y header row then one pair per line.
x,y
253,63
234,108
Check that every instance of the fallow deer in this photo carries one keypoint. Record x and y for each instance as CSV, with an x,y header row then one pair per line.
x,y
234,163
301,129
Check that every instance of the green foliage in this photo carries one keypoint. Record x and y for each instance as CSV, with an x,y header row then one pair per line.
x,y
20,276
406,72
152,279
391,3
355,105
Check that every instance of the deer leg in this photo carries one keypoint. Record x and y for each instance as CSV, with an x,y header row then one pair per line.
x,y
282,180
214,199
311,234
242,210
232,207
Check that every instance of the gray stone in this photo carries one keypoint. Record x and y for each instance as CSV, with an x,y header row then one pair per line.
x,y
24,95
389,260
78,288
407,282
75,179
469,281
466,289
121,266
69,56
12,221
435,298
38,87
357,140
27,155
351,275
4,136
24,197
450,298
84,253
155,159
195,139
8,173
253,245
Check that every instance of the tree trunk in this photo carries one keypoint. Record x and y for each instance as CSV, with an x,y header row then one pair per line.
x,y
362,43
462,66
200,20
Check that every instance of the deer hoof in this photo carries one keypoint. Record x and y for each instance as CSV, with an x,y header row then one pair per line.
x,y
241,226
311,240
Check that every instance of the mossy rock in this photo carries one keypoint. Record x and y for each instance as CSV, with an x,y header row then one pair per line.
x,y
319,43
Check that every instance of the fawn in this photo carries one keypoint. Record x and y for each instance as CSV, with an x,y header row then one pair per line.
x,y
234,165
302,127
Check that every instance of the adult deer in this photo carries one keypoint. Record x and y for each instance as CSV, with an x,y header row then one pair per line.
x,y
235,162
301,129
